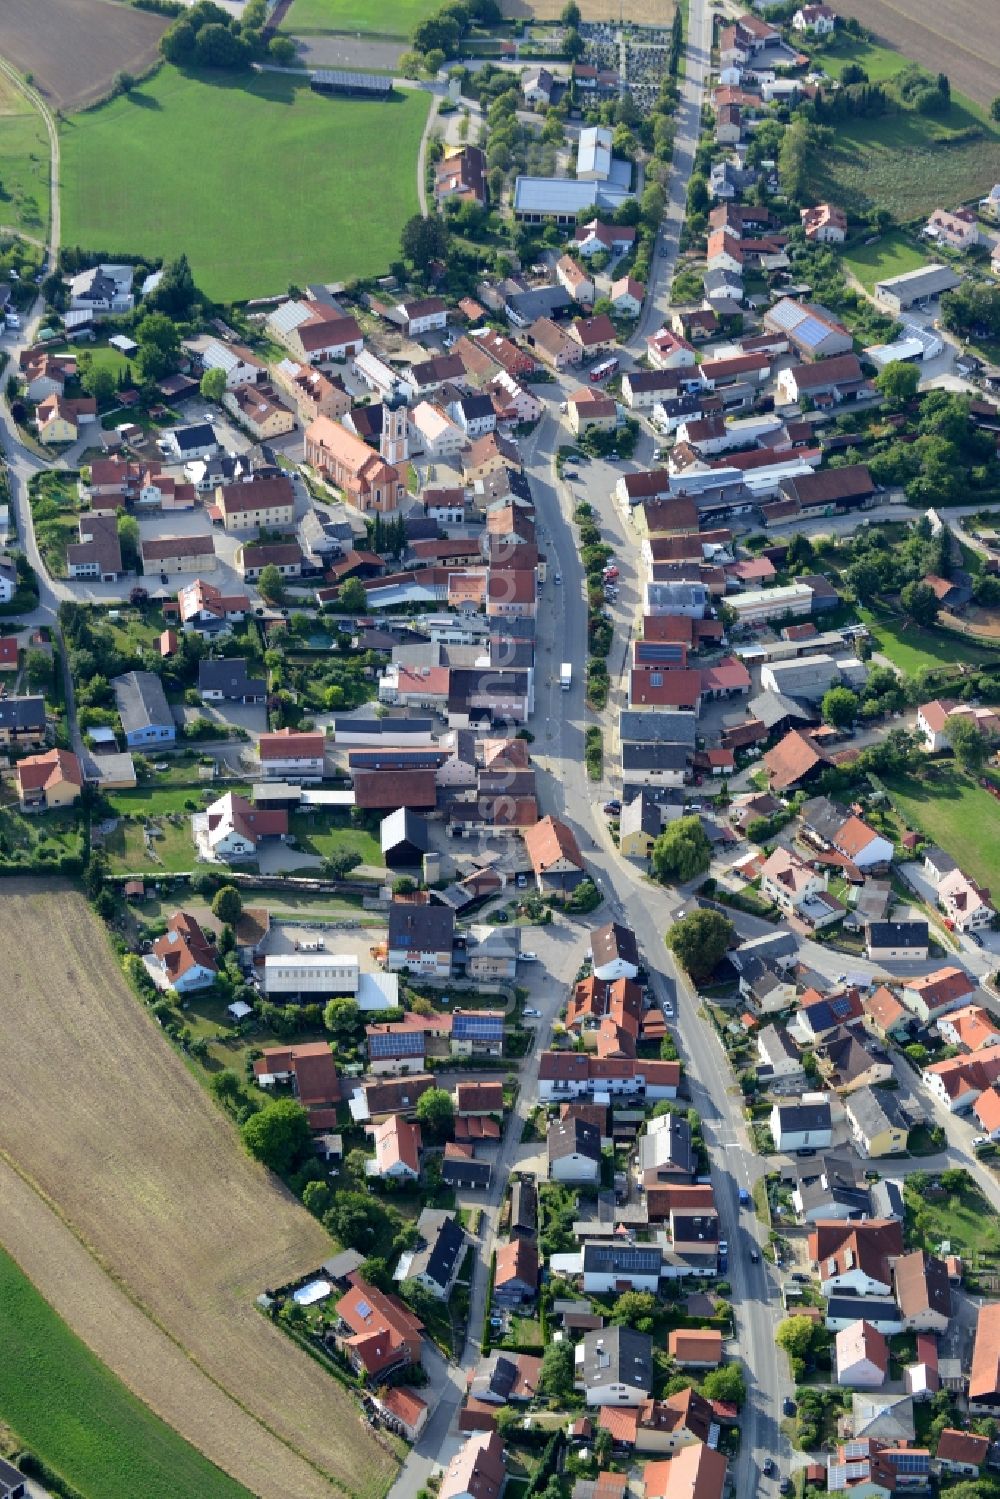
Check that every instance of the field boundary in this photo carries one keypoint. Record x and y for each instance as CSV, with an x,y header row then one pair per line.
x,y
144,1311
95,1148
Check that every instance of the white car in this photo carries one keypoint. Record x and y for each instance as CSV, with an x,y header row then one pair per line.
x,y
978,1140
558,577
529,957
532,1014
668,1009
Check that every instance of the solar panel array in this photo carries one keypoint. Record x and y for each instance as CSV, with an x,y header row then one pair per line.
x,y
338,78
396,1044
477,1027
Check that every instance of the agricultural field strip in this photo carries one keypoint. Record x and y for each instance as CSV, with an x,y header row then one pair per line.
x,y
965,39
105,1125
128,1344
74,48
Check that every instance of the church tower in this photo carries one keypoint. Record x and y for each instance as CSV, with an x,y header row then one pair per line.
x,y
394,442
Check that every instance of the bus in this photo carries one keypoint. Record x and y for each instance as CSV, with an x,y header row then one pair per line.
x,y
603,371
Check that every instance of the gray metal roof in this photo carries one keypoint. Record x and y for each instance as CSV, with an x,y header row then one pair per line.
x,y
142,702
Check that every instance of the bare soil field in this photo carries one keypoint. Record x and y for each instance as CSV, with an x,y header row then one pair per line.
x,y
961,36
641,12
176,1229
74,48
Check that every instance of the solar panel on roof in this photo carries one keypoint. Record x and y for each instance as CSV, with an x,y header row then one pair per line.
x,y
364,1310
811,331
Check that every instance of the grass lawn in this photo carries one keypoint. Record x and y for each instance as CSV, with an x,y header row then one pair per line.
x,y
326,833
174,851
913,649
24,165
390,18
119,1449
964,1217
899,162
878,62
289,186
159,801
33,836
957,814
891,255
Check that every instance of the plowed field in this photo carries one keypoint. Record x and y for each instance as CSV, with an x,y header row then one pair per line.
x,y
118,1151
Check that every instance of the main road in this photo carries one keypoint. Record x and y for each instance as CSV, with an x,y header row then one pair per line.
x,y
558,751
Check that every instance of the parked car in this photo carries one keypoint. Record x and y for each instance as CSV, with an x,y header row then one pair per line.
x,y
532,1014
755,1256
558,577
788,1406
769,1466
529,957
613,806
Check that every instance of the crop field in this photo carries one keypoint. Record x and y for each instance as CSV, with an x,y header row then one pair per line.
x,y
892,254
642,12
155,1265
74,48
333,209
48,1376
899,162
964,34
395,18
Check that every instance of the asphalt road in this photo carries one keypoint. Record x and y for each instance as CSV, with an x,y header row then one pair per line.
x,y
560,722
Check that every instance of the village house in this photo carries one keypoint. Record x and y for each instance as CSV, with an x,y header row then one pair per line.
x,y
48,782
378,1334
313,332
184,958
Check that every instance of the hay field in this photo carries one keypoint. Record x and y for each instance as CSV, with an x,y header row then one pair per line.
x,y
641,12
960,36
111,1130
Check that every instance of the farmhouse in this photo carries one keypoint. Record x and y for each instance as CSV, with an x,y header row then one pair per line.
x,y
313,335
378,1333
265,502
288,755
915,288
309,1067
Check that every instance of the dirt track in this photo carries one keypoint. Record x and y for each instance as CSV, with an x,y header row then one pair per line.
x,y
74,48
141,1165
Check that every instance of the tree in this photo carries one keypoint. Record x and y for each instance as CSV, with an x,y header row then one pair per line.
x,y
128,540
159,345
278,1135
632,1306
573,44
403,885
352,596
175,293
95,379
282,50
376,1272
558,1372
570,16
228,905
424,240
682,851
342,1017
213,385
795,1336
898,382
995,108
357,1220
699,942
436,1112
920,603
270,584
726,1383
38,665
317,1198
968,746
839,707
